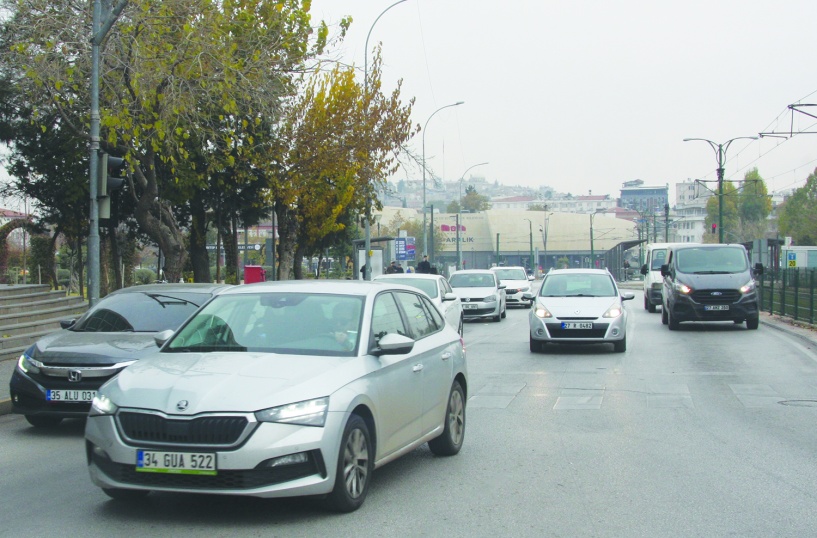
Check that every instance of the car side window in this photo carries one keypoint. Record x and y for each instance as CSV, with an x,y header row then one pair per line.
x,y
417,315
386,318
447,287
434,313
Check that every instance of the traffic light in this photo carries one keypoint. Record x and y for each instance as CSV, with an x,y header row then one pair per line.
x,y
714,227
111,176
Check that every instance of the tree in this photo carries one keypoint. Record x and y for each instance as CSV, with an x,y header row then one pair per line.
x,y
745,209
730,211
473,201
798,214
172,72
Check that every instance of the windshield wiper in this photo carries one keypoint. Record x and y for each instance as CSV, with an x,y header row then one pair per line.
x,y
204,348
712,273
163,299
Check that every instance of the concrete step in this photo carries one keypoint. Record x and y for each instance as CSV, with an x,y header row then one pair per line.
x,y
16,322
40,303
30,295
8,290
12,342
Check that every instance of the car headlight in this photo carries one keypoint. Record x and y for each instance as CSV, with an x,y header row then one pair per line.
x,y
613,312
308,413
682,288
28,365
541,312
490,299
749,286
525,289
101,405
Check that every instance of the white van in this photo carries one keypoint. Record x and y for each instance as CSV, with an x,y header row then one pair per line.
x,y
653,281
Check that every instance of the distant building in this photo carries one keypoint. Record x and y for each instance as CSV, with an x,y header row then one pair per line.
x,y
643,199
689,220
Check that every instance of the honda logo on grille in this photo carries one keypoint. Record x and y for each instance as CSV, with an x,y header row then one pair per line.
x,y
74,375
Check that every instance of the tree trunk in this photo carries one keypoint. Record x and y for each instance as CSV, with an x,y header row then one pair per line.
x,y
230,252
287,241
199,257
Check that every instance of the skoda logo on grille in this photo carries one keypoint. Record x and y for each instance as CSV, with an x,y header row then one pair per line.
x,y
717,293
74,375
182,405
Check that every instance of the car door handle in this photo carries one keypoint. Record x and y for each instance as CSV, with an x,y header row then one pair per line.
x,y
445,356
417,368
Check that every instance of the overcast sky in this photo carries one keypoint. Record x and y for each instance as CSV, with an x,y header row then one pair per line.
x,y
584,95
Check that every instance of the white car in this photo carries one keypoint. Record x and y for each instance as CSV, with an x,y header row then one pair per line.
x,y
481,293
283,389
517,284
439,291
579,306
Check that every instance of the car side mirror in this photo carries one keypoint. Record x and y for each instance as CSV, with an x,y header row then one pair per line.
x,y
162,336
528,296
393,344
531,278
664,270
501,286
758,269
67,323
449,297
644,269
627,296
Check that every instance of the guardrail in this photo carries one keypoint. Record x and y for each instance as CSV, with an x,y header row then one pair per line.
x,y
789,293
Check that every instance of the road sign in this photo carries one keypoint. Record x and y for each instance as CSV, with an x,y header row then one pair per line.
x,y
405,248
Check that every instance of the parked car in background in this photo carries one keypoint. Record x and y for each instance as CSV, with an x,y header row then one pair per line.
x,y
710,283
281,389
439,291
579,306
517,283
481,293
59,375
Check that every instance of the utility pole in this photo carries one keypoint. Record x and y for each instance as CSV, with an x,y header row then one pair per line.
x,y
666,223
720,155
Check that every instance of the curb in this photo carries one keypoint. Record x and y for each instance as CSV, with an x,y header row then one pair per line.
x,y
5,406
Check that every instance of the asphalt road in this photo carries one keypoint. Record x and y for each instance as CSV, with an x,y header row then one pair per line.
x,y
706,431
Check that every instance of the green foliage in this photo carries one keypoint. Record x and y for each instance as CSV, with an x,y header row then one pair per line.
x,y
798,214
41,263
143,276
745,210
473,201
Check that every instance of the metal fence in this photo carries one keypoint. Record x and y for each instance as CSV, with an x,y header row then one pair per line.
x,y
789,292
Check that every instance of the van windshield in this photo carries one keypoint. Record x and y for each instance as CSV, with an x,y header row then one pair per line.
x,y
711,260
659,258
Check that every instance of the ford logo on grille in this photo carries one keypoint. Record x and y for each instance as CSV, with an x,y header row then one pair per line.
x,y
182,405
717,293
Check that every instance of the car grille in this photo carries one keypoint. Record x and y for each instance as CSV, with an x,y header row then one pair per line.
x,y
210,431
224,480
706,297
598,331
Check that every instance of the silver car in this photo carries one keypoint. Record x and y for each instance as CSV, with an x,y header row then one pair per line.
x,y
517,284
481,293
283,389
579,306
439,291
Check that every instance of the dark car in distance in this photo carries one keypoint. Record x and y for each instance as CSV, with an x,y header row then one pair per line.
x,y
59,375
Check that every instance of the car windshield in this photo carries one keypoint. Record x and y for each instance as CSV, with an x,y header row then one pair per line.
x,y
292,323
711,260
578,285
511,274
423,284
474,280
140,312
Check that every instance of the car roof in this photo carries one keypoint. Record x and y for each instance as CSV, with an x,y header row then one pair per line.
x,y
473,271
174,288
498,267
328,286
426,276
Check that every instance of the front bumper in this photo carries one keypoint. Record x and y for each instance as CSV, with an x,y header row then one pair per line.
x,y
480,310
684,308
553,330
28,395
242,470
516,298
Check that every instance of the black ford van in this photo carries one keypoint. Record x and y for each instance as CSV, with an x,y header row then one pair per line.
x,y
709,283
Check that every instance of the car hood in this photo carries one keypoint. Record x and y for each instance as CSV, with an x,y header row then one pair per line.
x,y
516,284
229,381
577,307
92,348
709,282
473,293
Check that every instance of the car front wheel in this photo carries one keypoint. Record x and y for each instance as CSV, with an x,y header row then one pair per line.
x,y
620,346
752,323
354,468
536,346
450,442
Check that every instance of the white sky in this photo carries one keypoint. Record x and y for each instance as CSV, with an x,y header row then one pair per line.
x,y
583,95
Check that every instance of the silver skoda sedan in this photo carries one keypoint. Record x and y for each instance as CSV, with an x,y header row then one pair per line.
x,y
283,389
579,306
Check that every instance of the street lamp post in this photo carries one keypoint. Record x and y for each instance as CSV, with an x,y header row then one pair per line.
x,y
592,253
425,229
367,228
530,232
545,240
459,212
720,155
